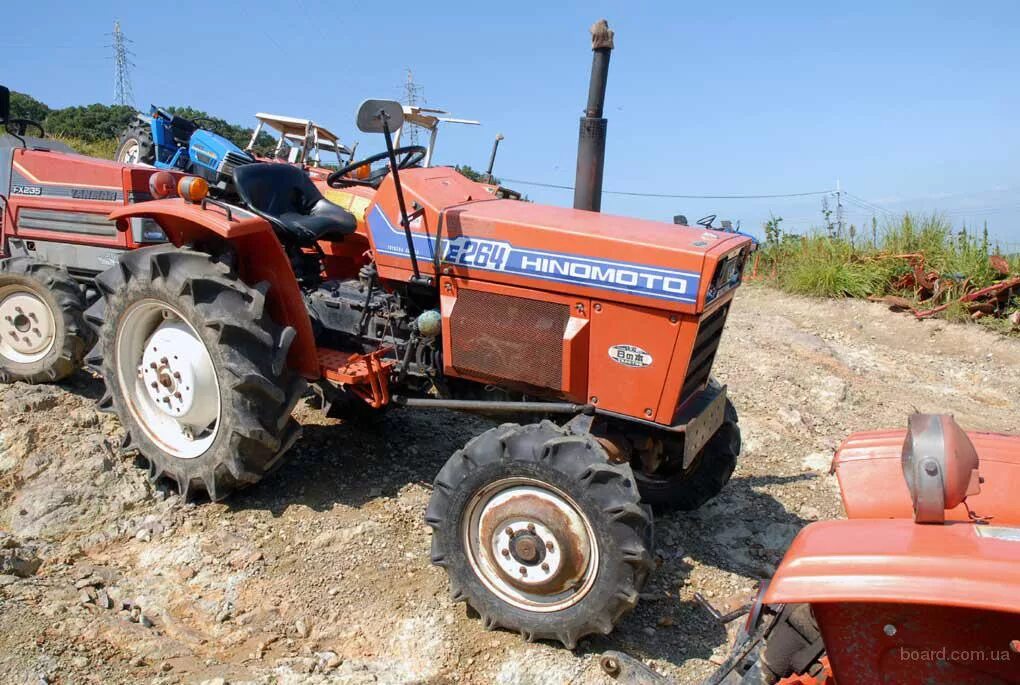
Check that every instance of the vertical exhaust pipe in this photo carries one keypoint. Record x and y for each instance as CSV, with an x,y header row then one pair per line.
x,y
591,143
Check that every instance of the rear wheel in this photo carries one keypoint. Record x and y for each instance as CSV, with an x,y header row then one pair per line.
x,y
195,369
674,488
539,533
136,145
43,335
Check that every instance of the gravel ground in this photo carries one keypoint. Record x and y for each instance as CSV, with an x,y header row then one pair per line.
x,y
320,574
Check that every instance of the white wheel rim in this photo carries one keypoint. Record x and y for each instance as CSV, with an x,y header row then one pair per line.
x,y
27,325
530,544
130,154
168,379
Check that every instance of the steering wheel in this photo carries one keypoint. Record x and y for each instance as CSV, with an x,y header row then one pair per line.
x,y
19,126
706,221
207,121
407,156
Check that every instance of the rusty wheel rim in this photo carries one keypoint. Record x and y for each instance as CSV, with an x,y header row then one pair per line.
x,y
530,544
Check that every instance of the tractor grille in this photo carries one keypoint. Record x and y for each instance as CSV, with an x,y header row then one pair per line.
x,y
710,331
231,161
507,338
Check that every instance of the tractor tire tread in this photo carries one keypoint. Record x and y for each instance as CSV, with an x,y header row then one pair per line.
x,y
257,404
607,493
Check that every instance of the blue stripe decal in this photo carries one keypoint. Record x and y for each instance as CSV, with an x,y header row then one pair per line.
x,y
498,255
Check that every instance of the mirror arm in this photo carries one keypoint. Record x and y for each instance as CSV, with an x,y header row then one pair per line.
x,y
400,195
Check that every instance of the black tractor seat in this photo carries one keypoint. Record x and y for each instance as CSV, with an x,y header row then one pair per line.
x,y
284,196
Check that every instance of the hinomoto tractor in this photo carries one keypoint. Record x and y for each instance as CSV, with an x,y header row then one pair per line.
x,y
442,297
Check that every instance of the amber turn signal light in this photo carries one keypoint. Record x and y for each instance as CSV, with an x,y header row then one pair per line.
x,y
193,188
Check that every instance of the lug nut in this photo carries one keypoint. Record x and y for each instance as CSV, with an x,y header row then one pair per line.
x,y
549,546
177,375
509,531
531,528
506,552
545,567
177,395
154,384
524,571
152,365
164,361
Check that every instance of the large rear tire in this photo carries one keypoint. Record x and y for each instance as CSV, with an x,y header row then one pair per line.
x,y
688,489
195,369
539,533
43,334
136,146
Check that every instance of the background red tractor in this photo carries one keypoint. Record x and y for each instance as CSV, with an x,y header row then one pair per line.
x,y
55,237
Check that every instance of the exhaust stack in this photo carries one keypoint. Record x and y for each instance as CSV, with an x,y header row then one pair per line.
x,y
591,143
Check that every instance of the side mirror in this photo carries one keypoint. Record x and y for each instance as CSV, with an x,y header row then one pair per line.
x,y
5,104
373,113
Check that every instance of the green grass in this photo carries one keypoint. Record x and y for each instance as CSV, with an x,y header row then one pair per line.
x,y
825,265
103,149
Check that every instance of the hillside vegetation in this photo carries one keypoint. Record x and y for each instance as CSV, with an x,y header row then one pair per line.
x,y
95,129
913,262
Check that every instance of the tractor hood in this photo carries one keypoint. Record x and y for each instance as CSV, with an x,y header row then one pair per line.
x,y
553,248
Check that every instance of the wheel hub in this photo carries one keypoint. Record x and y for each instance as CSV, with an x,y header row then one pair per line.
x,y
175,365
530,544
168,378
528,552
27,326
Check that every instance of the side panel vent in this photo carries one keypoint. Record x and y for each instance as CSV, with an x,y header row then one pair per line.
x,y
705,345
507,338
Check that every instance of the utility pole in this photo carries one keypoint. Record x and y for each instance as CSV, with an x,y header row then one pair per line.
x,y
839,210
414,96
123,93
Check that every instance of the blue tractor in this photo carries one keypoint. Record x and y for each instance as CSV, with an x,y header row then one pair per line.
x,y
169,141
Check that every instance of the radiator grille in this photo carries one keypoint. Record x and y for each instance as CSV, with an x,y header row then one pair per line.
x,y
507,338
703,354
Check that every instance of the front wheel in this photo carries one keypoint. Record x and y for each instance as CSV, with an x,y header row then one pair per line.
x,y
674,488
539,533
195,369
43,335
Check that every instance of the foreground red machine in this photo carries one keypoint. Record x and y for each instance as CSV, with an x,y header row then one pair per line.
x,y
920,586
442,296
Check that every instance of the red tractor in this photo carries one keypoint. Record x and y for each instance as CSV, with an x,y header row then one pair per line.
x,y
446,296
55,237
921,585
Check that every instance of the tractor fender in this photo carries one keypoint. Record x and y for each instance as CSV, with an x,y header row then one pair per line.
x,y
260,259
962,565
868,466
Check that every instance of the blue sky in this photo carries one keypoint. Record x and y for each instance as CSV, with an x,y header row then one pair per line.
x,y
909,105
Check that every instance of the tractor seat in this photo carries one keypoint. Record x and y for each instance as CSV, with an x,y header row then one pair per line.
x,y
284,196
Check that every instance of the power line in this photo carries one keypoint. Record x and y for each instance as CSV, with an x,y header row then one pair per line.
x,y
671,195
869,205
123,93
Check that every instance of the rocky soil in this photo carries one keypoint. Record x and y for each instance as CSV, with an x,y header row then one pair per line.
x,y
320,574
